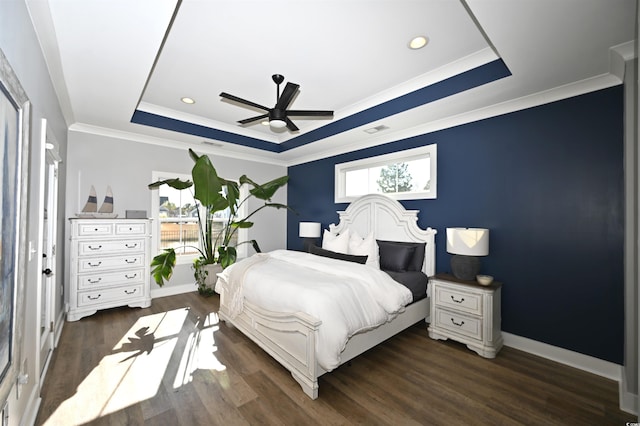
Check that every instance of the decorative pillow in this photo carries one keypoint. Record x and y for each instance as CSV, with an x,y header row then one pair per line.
x,y
340,256
337,243
395,257
417,260
365,246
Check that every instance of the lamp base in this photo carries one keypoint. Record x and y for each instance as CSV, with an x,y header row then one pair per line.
x,y
307,243
465,267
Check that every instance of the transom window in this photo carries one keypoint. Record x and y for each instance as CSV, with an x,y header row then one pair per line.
x,y
403,175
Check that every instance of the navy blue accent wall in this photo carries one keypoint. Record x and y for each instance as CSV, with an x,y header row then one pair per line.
x,y
548,183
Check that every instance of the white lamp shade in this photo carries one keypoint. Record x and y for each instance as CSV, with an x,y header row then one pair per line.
x,y
309,229
468,241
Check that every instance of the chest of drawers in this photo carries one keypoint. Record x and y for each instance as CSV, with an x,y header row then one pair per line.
x,y
109,265
466,312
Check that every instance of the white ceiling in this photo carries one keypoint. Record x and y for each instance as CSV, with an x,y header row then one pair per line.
x,y
110,58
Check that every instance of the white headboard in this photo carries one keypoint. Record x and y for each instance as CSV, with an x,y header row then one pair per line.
x,y
388,220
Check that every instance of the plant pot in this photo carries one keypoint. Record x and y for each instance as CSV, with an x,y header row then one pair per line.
x,y
206,277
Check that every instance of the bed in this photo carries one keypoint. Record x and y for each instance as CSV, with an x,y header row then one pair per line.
x,y
291,337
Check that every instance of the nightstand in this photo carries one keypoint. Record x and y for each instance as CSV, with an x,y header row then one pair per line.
x,y
467,312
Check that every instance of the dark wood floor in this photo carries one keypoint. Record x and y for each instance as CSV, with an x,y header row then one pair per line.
x,y
173,364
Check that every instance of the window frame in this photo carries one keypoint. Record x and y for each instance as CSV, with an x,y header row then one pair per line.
x,y
430,151
184,259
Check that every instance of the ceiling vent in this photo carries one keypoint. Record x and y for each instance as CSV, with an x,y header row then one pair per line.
x,y
376,129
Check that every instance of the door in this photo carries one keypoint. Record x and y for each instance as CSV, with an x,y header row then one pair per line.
x,y
48,284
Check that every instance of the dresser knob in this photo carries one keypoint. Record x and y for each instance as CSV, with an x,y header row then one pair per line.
x,y
457,301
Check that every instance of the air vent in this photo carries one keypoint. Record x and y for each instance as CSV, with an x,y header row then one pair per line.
x,y
376,129
217,145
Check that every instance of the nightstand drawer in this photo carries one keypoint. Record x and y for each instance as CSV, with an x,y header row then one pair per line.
x,y
461,324
458,300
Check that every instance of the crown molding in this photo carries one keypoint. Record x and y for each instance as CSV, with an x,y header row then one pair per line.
x,y
216,148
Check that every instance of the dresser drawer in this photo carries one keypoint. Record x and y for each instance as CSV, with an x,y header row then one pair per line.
x,y
96,229
458,300
92,248
106,279
131,228
458,323
92,264
103,296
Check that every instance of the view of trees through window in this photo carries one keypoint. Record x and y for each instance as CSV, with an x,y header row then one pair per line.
x,y
395,178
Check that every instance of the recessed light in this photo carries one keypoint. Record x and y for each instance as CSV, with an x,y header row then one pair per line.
x,y
188,100
418,42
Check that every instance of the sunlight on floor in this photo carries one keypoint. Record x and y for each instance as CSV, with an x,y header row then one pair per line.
x,y
140,361
199,352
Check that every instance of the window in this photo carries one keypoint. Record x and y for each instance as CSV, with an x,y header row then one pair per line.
x,y
177,220
403,175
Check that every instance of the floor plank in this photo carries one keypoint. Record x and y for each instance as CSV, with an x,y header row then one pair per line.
x,y
175,364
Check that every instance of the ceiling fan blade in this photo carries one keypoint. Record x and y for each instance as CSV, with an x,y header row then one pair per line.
x,y
290,124
287,95
309,113
243,101
252,119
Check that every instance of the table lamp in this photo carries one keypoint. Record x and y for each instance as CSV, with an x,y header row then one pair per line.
x,y
466,244
309,232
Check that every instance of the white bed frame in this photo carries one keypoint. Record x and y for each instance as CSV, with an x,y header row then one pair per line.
x,y
290,338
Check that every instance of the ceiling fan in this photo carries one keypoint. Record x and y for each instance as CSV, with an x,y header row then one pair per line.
x,y
279,115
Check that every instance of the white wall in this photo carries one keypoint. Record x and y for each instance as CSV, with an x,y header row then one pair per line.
x,y
127,167
19,43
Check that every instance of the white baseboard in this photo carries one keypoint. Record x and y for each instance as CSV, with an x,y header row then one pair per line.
x,y
31,410
573,359
628,400
173,290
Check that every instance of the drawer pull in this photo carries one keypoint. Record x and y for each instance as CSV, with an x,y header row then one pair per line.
x,y
457,301
129,277
94,281
131,291
459,324
130,261
93,297
95,248
94,265
127,245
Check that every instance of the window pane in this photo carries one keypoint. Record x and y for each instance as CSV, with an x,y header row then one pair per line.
x,y
409,174
178,217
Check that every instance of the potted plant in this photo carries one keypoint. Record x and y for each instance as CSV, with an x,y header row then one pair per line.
x,y
214,194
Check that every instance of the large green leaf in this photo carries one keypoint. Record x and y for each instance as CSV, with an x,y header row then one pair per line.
x,y
208,186
233,194
242,224
162,266
227,256
174,183
266,190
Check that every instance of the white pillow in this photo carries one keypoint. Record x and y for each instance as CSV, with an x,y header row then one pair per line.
x,y
337,243
365,247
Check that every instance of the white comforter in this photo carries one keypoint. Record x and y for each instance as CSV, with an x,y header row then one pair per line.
x,y
347,297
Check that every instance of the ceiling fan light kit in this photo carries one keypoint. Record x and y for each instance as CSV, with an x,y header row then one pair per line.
x,y
279,115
